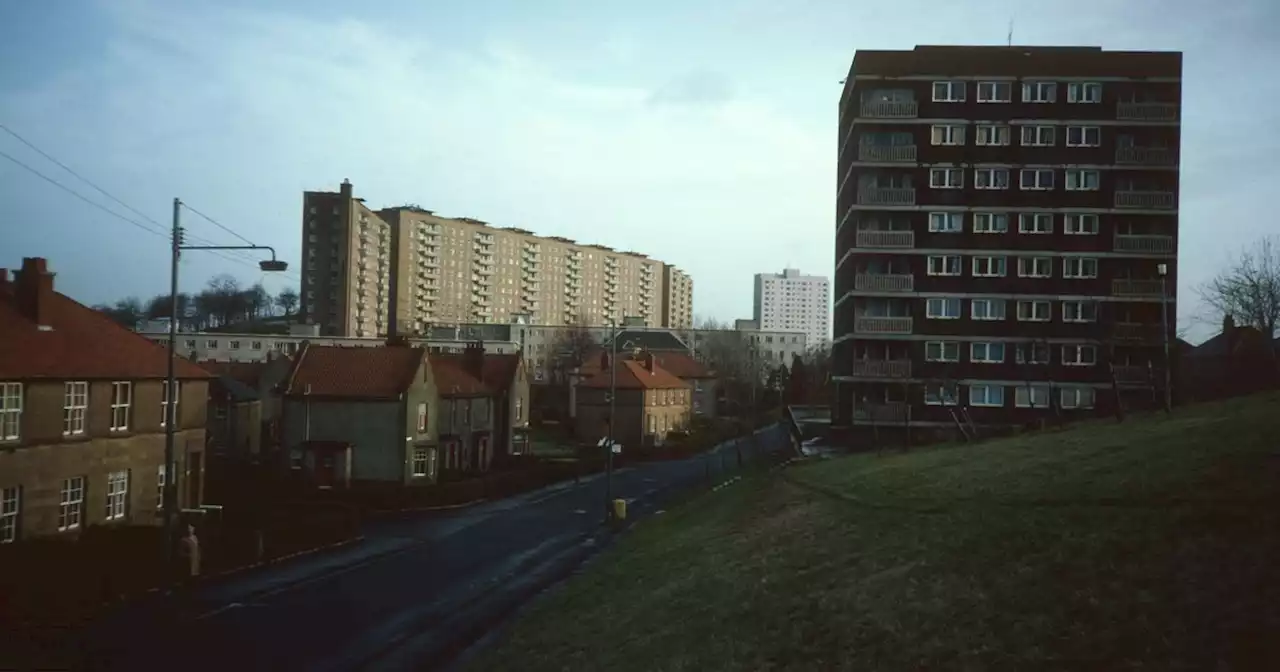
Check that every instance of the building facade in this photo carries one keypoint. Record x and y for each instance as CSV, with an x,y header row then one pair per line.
x,y
1006,241
677,299
650,403
789,301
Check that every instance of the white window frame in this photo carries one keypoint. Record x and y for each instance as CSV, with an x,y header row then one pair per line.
x,y
1084,92
75,406
994,310
991,178
1039,92
161,479
1038,135
1074,355
946,135
1081,136
1074,311
988,392
1086,268
989,92
952,85
71,503
10,411
117,495
992,135
1080,178
10,513
1035,267
1043,349
980,352
947,351
946,266
940,395
164,402
421,462
1031,396
951,178
990,222
1035,219
1077,398
1080,224
940,302
996,266
1041,179
121,403
948,217
1030,311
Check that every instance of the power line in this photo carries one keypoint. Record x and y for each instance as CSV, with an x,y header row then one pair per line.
x,y
218,224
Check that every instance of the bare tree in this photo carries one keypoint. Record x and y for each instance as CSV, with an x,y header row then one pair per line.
x,y
1249,290
256,302
127,312
569,351
287,300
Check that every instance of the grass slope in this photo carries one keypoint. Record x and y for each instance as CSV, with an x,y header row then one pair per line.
x,y
1145,545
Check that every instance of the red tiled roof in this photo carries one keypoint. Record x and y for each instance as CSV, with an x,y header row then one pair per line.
x,y
500,370
682,366
632,375
453,379
355,372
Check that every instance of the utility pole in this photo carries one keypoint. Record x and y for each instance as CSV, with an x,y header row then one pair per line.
x,y
613,407
170,416
1164,332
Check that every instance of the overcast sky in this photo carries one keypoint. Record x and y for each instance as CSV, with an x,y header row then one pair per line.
x,y
700,132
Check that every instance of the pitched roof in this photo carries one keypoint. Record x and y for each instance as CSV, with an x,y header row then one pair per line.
x,y
500,370
77,342
355,372
453,379
682,365
652,340
631,375
245,373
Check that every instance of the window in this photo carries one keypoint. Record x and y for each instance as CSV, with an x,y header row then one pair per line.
x,y
234,345
990,222
948,92
947,134
520,404
988,267
1084,92
986,353
1038,136
1032,353
939,395
992,134
1082,180
941,351
71,504
995,92
991,178
1079,355
986,395
946,222
1035,222
10,507
75,401
1039,92
121,398
422,417
211,344
987,309
946,178
1033,311
1040,179
1079,267
164,403
1079,311
942,309
948,265
421,461
1035,267
161,479
1080,224
257,345
10,411
466,412
1084,136
117,494
1076,397
1035,396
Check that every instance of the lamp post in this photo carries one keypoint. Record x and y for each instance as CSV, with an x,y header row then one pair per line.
x,y
1163,270
613,407
171,383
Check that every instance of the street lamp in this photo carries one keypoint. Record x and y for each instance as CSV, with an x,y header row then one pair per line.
x,y
170,425
1163,270
613,408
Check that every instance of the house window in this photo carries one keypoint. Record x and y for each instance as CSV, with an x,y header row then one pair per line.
x,y
71,503
10,507
520,409
121,399
987,309
1079,267
947,134
422,417
1036,179
10,411
256,345
190,343
211,344
991,178
653,424
1035,267
990,222
989,267
1032,353
1084,92
1079,311
986,353
421,462
161,479
986,395
942,351
234,345
1076,397
164,403
940,395
1039,92
995,92
1035,222
117,494
1084,136
1038,136
1035,396
1080,224
466,412
1082,180
946,178
1079,355
942,309
946,222
75,402
945,265
1033,311
992,134
948,92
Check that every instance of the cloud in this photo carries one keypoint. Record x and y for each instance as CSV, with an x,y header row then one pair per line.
x,y
694,88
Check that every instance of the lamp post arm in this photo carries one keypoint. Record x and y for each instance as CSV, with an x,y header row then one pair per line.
x,y
268,248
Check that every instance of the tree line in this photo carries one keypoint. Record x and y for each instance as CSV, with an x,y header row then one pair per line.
x,y
222,302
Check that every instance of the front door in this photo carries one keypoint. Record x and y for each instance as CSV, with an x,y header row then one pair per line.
x,y
325,469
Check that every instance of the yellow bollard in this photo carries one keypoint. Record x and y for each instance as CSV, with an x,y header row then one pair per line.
x,y
620,509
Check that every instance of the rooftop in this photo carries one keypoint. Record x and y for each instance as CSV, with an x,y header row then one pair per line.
x,y
631,374
362,373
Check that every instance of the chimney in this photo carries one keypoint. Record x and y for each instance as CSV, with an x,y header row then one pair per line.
x,y
604,360
4,280
646,358
33,290
1228,323
346,188
473,359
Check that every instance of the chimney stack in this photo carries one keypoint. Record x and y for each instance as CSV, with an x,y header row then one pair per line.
x,y
33,290
604,360
346,189
4,280
473,359
1228,323
647,359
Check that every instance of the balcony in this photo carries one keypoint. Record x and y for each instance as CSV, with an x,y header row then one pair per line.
x,y
887,153
1148,200
883,282
890,110
1145,156
871,238
1147,111
881,368
1134,332
1131,374
892,412
887,196
882,325
1144,243
1131,287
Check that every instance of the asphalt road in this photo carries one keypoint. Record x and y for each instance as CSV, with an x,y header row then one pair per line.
x,y
411,596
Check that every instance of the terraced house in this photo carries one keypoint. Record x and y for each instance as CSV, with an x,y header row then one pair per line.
x,y
1006,233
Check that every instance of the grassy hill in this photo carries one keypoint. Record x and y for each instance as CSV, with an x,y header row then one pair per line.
x,y
1151,544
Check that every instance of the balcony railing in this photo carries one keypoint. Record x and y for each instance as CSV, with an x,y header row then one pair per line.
x,y
887,153
890,110
1134,332
1144,243
883,282
882,325
1146,111
887,196
881,368
1145,156
1131,373
886,239
1131,287
889,412
1158,200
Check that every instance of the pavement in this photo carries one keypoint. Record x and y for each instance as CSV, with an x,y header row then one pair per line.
x,y
415,593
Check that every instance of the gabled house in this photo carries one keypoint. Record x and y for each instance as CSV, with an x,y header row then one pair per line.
x,y
244,407
467,422
507,376
702,381
1238,360
360,416
83,406
650,402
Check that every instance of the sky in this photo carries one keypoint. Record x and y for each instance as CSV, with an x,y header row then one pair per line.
x,y
700,132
